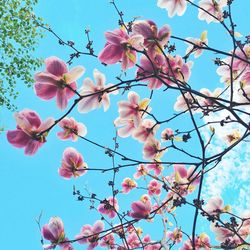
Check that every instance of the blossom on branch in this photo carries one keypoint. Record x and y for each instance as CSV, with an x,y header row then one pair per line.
x,y
94,96
71,129
54,232
109,207
119,47
57,81
28,132
90,234
73,164
173,6
141,209
154,39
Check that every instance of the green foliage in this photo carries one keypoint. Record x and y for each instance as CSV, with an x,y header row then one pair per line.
x,y
19,36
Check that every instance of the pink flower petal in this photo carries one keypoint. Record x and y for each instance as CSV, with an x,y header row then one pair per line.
x,y
56,66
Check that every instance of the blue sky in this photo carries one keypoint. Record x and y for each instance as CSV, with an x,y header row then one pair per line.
x,y
30,185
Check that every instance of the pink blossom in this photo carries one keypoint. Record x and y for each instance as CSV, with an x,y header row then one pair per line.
x,y
72,164
154,187
90,234
223,234
153,38
126,126
71,129
244,230
133,108
127,185
214,206
181,102
173,6
145,130
175,236
156,167
167,134
55,79
133,240
118,48
96,95
152,149
109,207
108,241
27,134
178,70
201,42
213,8
54,232
156,65
140,209
140,171
201,242
208,101
149,244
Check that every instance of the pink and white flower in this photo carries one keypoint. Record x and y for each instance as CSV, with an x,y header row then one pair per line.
x,y
167,134
126,127
118,48
213,10
156,65
90,234
152,150
157,167
54,232
140,209
173,6
57,81
93,96
28,132
71,129
200,42
149,244
109,207
154,187
108,241
175,236
127,185
141,170
73,164
145,130
133,108
215,206
154,39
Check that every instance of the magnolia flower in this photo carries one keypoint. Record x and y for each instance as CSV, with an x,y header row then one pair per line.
x,y
152,149
133,240
109,207
133,108
175,236
154,187
54,232
72,164
215,206
141,170
185,102
140,209
27,134
127,185
93,96
154,39
173,7
201,42
71,129
88,230
157,167
213,10
126,126
145,130
108,241
167,134
208,101
149,244
149,67
201,242
118,48
178,70
57,81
